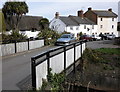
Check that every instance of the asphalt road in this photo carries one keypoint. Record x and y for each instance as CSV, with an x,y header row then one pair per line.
x,y
102,44
16,69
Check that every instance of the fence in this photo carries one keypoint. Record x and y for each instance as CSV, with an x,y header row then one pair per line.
x,y
58,59
20,46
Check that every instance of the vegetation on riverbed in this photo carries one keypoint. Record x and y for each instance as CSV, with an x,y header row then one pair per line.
x,y
108,58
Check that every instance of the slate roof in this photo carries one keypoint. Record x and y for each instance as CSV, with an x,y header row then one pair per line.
x,y
75,20
104,13
68,21
83,20
28,22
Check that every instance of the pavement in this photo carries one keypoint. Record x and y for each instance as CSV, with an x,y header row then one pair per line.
x,y
16,69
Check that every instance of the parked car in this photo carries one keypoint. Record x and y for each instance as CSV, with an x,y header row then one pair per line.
x,y
65,39
86,38
110,36
96,37
103,36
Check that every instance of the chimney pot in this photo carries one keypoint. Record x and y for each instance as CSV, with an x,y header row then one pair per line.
x,y
80,14
57,15
89,9
110,9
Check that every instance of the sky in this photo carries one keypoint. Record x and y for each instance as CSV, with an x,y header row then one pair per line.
x,y
48,8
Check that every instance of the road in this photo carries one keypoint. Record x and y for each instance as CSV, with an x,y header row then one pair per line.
x,y
16,69
102,44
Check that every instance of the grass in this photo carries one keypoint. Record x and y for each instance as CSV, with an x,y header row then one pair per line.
x,y
108,58
109,50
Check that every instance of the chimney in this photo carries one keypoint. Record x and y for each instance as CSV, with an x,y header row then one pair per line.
x,y
110,9
89,9
57,15
80,14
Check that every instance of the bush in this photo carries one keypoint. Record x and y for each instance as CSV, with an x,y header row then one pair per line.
x,y
14,36
49,36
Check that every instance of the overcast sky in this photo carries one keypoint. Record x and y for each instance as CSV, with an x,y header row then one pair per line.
x,y
48,8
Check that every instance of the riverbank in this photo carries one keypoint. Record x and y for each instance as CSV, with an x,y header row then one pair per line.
x,y
99,69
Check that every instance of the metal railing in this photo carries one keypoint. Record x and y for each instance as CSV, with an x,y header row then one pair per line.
x,y
46,56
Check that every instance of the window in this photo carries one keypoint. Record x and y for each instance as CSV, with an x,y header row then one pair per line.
x,y
112,19
71,28
101,26
77,28
101,19
84,26
53,27
88,29
112,26
92,26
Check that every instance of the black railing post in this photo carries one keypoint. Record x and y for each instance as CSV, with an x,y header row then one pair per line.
x,y
15,46
85,44
81,49
65,59
48,63
74,58
33,72
28,44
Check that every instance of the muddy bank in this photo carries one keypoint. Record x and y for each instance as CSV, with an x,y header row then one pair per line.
x,y
98,70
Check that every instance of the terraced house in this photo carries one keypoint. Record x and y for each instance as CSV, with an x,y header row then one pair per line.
x,y
90,22
73,24
105,19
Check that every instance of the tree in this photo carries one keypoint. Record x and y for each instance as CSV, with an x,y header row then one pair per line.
x,y
2,23
44,23
13,12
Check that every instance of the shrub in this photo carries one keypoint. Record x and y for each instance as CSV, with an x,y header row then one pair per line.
x,y
49,36
14,36
54,82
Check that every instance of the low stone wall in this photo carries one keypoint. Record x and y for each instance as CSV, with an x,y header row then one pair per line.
x,y
12,48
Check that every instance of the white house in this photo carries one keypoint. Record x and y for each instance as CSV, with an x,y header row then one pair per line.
x,y
73,24
28,25
105,19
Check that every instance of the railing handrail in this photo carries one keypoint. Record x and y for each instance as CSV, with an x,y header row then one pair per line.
x,y
47,57
54,49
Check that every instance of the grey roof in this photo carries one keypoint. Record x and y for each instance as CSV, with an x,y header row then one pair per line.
x,y
83,20
68,21
104,13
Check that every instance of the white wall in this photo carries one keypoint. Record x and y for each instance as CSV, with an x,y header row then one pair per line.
x,y
36,44
81,29
30,33
8,49
41,72
107,25
57,25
